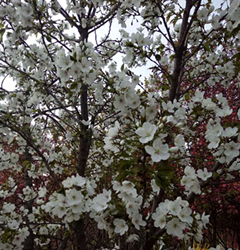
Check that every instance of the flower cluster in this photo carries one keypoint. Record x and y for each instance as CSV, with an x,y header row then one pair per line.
x,y
190,179
176,216
89,145
132,201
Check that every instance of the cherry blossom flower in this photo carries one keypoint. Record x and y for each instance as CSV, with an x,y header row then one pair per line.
x,y
204,175
151,112
195,187
71,216
128,187
169,106
174,207
60,211
132,99
230,132
173,149
101,200
154,186
199,95
65,62
225,111
233,7
132,238
175,227
203,14
109,139
205,219
67,183
160,221
74,196
232,149
121,226
179,141
146,132
138,221
78,208
185,215
85,65
117,186
214,142
189,171
132,208
78,180
119,102
102,224
13,224
158,151
14,158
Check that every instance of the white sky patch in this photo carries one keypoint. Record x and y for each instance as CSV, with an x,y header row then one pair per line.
x,y
7,83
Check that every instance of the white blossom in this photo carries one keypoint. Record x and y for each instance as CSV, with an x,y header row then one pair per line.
x,y
146,132
120,226
158,151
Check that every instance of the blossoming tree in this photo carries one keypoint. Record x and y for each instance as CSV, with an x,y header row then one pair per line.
x,y
93,157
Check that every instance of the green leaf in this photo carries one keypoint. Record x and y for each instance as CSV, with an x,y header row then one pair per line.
x,y
25,163
74,85
61,191
164,174
72,58
158,57
164,168
172,57
28,166
7,234
129,44
162,182
125,168
206,46
125,164
235,31
125,154
122,175
237,56
2,31
49,39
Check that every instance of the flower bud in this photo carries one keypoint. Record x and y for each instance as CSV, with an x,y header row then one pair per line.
x,y
161,125
211,9
40,202
173,149
122,142
179,124
164,118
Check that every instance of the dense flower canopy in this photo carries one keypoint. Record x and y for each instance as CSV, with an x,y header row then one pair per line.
x,y
93,155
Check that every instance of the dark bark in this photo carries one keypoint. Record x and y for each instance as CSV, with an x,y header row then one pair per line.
x,y
84,146
180,51
29,242
178,70
214,223
175,79
63,244
85,134
80,235
152,241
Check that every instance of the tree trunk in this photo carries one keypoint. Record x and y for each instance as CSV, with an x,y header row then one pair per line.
x,y
80,235
29,242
